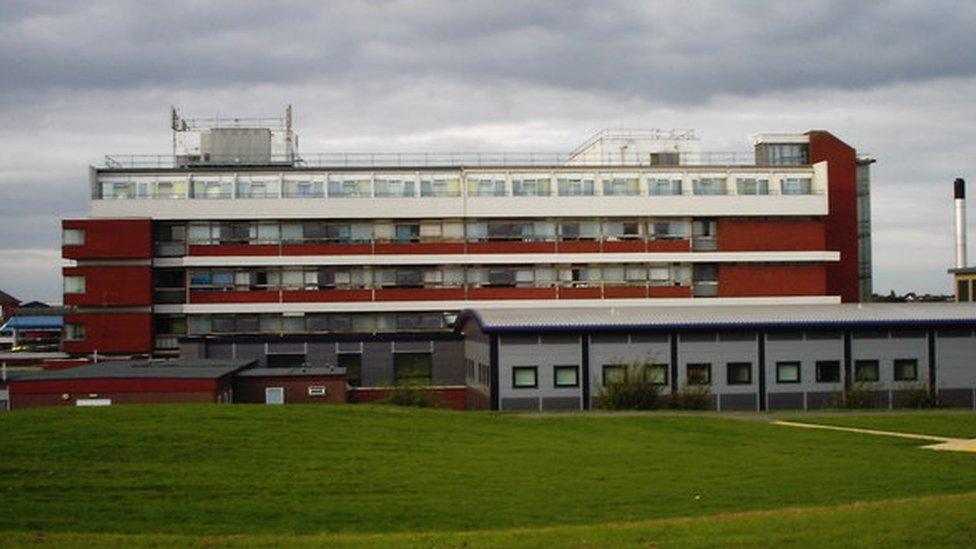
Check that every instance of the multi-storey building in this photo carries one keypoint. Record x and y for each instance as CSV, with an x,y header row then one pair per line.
x,y
239,247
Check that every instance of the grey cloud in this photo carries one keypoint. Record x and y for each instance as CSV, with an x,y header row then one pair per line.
x,y
86,79
670,51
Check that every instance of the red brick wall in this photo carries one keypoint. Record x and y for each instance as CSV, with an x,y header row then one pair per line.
x,y
745,235
110,239
28,394
476,400
117,285
251,389
736,280
112,333
841,221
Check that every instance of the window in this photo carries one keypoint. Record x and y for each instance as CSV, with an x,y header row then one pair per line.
x,y
962,290
797,185
349,187
74,284
709,185
439,187
574,186
412,368
488,186
353,363
303,189
664,186
752,185
531,185
393,187
73,237
407,232
669,230
782,154
739,373
525,377
614,373
656,374
621,186
866,370
828,371
74,332
787,372
316,390
906,369
700,373
565,376
579,230
621,230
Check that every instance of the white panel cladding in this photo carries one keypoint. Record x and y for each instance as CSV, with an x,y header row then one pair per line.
x,y
470,207
545,353
394,306
496,259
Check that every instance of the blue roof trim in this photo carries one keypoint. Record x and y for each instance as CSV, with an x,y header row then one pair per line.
x,y
942,323
40,322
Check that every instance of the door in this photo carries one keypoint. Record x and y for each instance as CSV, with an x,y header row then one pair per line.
x,y
274,395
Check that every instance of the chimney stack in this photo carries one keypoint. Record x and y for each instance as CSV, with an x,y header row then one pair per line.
x,y
960,199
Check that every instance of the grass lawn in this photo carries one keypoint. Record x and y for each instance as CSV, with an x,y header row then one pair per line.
x,y
956,424
363,475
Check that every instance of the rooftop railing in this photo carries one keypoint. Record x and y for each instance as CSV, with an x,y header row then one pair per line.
x,y
434,160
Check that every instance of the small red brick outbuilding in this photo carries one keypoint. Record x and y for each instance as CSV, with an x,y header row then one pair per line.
x,y
130,382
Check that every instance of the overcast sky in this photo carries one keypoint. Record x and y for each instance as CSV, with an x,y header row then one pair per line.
x,y
896,80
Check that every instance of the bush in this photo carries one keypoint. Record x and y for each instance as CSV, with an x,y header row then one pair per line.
x,y
860,395
634,392
691,397
914,396
409,394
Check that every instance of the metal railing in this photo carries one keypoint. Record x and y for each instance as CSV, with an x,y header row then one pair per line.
x,y
428,160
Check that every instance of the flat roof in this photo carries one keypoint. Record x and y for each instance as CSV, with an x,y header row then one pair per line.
x,y
292,372
145,369
723,317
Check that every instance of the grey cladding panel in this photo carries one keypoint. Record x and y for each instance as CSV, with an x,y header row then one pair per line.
x,y
822,400
286,347
785,401
561,403
220,350
738,402
520,404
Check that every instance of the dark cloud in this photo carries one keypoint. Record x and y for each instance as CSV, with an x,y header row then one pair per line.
x,y
671,51
81,80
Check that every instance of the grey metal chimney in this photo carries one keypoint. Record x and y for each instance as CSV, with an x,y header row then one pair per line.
x,y
960,199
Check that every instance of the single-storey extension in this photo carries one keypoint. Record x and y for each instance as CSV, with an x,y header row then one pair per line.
x,y
747,357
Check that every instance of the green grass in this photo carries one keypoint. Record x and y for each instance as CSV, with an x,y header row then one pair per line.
x,y
946,424
261,471
935,521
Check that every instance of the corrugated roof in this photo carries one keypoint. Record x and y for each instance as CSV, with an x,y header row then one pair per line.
x,y
145,369
7,298
724,316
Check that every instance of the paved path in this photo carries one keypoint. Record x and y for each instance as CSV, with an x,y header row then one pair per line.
x,y
943,443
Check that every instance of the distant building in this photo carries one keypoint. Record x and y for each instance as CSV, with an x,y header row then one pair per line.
x,y
34,326
237,246
8,304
